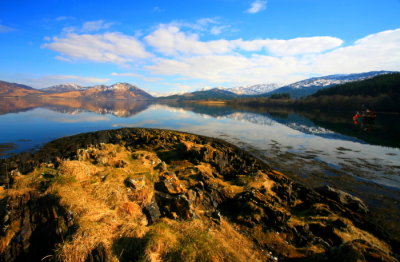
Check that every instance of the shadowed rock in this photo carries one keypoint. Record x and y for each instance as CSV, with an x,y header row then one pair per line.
x,y
347,200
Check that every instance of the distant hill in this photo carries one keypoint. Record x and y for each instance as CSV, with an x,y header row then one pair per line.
x,y
13,89
116,91
253,89
381,93
212,94
379,85
312,85
120,91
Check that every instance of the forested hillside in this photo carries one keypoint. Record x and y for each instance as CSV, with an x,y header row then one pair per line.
x,y
379,85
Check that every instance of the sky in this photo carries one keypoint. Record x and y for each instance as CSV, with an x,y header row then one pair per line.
x,y
173,46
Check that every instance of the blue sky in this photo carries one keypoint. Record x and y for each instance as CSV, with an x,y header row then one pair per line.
x,y
177,46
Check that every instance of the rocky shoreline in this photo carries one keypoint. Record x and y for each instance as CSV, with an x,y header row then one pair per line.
x,y
148,194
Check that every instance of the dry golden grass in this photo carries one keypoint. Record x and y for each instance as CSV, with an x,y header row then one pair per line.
x,y
275,241
11,231
17,192
354,233
106,211
80,170
194,240
30,180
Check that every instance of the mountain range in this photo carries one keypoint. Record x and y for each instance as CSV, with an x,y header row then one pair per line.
x,y
120,91
253,89
295,90
123,91
312,85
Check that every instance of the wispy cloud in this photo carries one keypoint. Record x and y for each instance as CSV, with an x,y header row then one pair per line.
x,y
86,27
125,74
217,30
64,18
50,80
106,48
78,78
94,26
170,40
257,6
206,25
290,47
135,75
6,29
157,9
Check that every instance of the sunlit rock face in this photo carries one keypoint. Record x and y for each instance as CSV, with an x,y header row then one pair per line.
x,y
140,194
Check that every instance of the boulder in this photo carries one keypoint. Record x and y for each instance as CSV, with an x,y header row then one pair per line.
x,y
351,202
169,184
152,212
135,183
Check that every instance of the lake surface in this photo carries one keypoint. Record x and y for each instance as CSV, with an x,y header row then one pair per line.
x,y
313,148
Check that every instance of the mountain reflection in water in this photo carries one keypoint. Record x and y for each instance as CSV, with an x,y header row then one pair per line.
x,y
385,131
313,148
120,108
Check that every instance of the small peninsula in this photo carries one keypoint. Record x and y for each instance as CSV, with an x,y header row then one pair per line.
x,y
137,194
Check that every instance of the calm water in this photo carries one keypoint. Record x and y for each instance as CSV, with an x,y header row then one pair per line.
x,y
313,148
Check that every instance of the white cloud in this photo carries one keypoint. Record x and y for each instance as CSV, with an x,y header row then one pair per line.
x,y
217,30
125,74
78,78
109,47
296,46
64,18
233,69
379,51
208,25
174,89
179,52
169,40
93,26
135,75
257,6
287,61
5,29
200,25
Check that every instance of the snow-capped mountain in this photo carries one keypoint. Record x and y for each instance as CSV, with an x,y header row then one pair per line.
x,y
312,85
253,89
63,88
120,91
116,91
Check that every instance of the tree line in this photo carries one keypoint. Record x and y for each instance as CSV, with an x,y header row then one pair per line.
x,y
381,93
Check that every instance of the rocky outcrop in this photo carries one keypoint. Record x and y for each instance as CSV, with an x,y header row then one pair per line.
x,y
347,200
32,225
132,194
